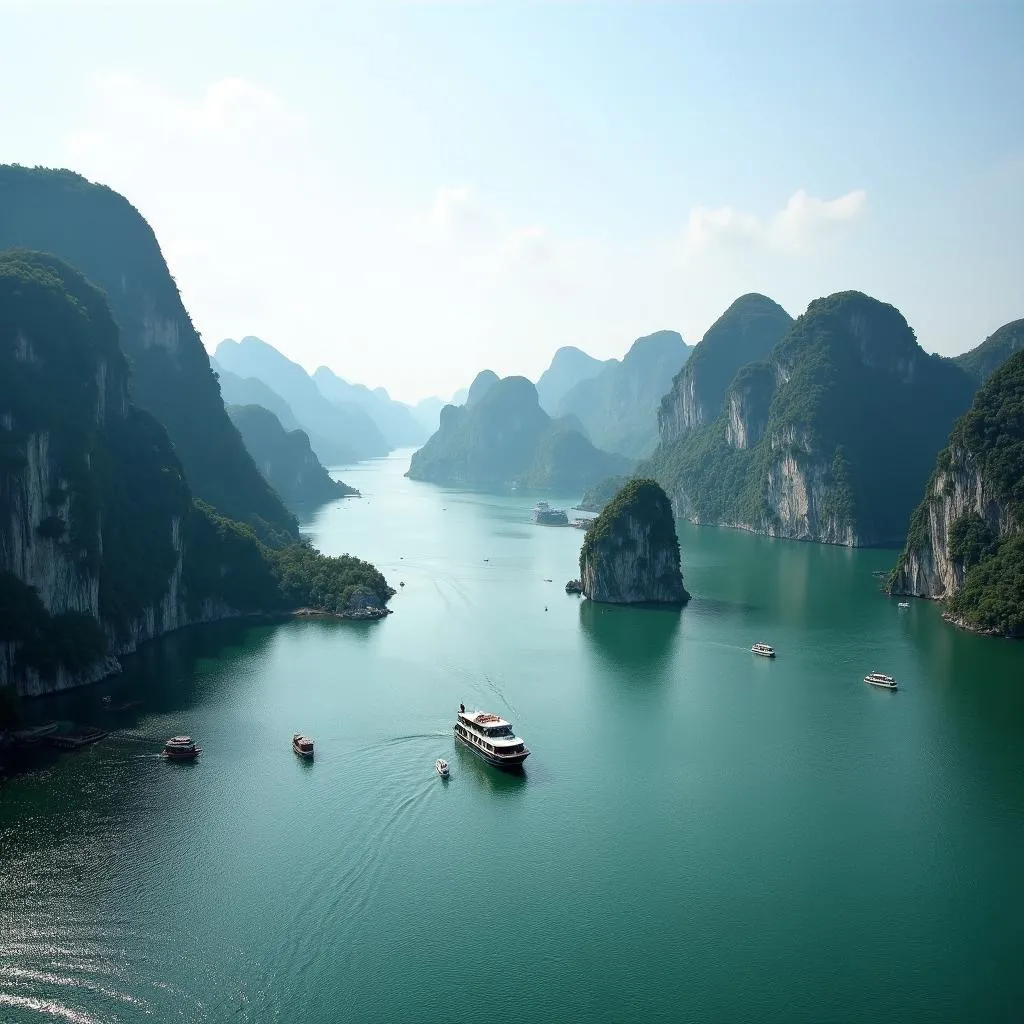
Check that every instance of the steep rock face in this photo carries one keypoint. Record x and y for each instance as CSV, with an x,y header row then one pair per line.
x,y
745,333
99,233
503,439
619,405
816,442
237,390
965,544
631,553
285,458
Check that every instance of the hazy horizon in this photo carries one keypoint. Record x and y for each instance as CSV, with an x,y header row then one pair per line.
x,y
410,194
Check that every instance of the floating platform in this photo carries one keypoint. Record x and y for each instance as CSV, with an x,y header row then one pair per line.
x,y
77,736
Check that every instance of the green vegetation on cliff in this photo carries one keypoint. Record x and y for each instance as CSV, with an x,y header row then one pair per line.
x,y
97,519
504,438
980,362
285,458
630,554
104,237
830,438
986,446
746,332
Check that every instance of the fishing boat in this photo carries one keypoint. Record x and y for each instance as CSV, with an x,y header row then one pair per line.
x,y
880,679
442,767
181,748
303,746
764,650
491,738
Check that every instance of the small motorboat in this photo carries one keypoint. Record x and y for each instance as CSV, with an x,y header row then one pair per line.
x,y
442,767
303,746
764,650
181,748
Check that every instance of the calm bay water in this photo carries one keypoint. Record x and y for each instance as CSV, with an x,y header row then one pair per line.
x,y
700,835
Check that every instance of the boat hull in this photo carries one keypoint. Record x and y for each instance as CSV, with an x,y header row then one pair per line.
x,y
182,755
881,685
306,755
511,764
764,654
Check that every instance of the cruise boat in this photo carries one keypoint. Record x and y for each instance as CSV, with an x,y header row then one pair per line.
x,y
880,679
181,748
442,767
764,650
303,746
545,515
491,738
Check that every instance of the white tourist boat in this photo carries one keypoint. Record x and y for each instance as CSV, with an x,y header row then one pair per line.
x,y
880,679
764,650
904,604
491,738
442,767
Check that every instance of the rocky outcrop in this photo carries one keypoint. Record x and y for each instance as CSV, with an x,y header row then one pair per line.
x,y
482,383
965,544
631,553
987,357
569,366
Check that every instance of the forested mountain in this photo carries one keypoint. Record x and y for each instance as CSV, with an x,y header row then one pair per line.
x,y
619,406
504,438
101,544
569,366
102,235
829,438
745,333
993,351
338,432
285,458
965,544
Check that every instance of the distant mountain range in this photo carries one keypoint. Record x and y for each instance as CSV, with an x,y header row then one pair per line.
x,y
569,366
618,404
502,438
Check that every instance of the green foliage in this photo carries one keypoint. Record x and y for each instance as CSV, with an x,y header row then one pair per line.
x,y
745,333
989,440
980,362
640,499
101,234
852,379
971,540
336,584
596,497
992,594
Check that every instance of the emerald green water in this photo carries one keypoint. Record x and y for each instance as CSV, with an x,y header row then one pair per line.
x,y
700,834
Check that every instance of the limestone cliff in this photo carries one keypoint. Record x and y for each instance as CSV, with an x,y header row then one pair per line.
x,y
747,331
829,438
631,553
104,237
965,544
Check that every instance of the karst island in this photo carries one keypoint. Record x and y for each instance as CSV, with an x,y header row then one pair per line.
x,y
631,553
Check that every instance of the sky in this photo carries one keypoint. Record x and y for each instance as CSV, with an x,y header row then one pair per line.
x,y
411,193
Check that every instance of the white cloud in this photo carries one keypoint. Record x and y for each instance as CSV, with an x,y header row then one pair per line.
x,y
796,228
